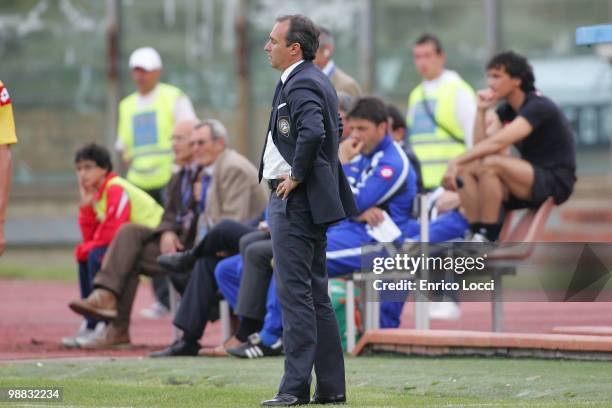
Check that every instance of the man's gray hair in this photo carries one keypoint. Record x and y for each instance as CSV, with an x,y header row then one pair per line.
x,y
345,101
217,129
325,37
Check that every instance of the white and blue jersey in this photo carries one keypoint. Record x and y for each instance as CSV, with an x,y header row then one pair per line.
x,y
384,178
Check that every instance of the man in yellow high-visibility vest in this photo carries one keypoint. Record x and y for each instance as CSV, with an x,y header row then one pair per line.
x,y
146,119
144,137
441,111
7,138
441,114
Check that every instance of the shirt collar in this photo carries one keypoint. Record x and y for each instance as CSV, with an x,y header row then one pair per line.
x,y
209,170
329,68
193,166
100,191
382,145
288,71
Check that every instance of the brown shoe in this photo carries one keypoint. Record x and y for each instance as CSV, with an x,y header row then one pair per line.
x,y
112,337
101,304
219,351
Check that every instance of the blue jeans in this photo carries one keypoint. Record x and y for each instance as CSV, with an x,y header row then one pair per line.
x,y
87,272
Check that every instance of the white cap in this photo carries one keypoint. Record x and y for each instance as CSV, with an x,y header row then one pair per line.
x,y
146,58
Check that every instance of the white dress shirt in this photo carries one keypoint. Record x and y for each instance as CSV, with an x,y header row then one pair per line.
x,y
275,165
329,68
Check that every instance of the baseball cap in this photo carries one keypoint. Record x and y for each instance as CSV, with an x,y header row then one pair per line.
x,y
146,58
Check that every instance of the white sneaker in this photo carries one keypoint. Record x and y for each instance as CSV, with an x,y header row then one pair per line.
x,y
81,335
444,311
70,341
155,311
92,335
479,238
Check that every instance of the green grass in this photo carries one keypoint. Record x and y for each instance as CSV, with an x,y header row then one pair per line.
x,y
55,264
372,382
12,271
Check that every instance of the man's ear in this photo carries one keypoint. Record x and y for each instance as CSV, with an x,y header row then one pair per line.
x,y
295,49
382,128
221,142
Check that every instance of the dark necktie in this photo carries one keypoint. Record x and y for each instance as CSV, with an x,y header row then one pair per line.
x,y
205,184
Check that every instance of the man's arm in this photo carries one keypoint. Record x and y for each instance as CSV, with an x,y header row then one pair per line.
x,y
379,184
306,108
517,130
465,113
168,221
6,166
118,210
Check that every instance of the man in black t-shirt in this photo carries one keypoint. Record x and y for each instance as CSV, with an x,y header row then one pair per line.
x,y
539,131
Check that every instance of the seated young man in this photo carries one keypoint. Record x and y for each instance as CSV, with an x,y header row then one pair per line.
x,y
107,202
540,132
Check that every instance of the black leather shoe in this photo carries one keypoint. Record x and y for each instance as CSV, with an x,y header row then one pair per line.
x,y
284,400
179,262
328,399
178,348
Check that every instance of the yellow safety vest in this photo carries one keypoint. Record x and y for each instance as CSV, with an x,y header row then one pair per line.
x,y
147,137
144,209
431,144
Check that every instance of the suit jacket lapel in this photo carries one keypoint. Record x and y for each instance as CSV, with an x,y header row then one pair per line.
x,y
279,86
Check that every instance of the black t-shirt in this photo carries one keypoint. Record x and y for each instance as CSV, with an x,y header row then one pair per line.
x,y
551,143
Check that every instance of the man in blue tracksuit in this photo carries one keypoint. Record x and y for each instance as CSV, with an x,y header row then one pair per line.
x,y
384,186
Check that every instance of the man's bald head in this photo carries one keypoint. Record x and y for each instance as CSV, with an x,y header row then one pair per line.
x,y
180,141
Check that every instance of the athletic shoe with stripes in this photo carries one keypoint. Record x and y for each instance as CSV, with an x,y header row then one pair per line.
x,y
254,348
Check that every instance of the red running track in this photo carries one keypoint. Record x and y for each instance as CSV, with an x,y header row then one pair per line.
x,y
35,316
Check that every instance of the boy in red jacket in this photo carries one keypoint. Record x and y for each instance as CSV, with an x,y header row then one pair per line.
x,y
107,202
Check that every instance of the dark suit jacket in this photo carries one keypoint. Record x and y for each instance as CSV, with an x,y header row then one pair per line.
x,y
173,208
306,129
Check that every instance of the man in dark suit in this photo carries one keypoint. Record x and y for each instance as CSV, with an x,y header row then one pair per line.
x,y
309,192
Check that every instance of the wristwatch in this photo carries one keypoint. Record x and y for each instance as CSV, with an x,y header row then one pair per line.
x,y
292,178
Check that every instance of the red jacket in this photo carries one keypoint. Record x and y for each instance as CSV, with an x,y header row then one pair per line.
x,y
98,233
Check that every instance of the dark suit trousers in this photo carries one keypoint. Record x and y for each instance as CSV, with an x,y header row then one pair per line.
x,y
256,251
310,330
200,294
225,236
198,299
160,284
133,251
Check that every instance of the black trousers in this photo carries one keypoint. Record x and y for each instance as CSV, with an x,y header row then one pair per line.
x,y
310,330
200,294
225,236
256,251
198,299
